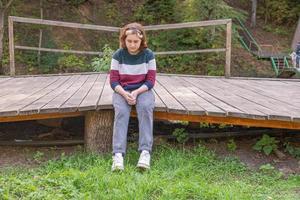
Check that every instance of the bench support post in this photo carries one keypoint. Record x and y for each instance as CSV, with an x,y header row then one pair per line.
x,y
98,131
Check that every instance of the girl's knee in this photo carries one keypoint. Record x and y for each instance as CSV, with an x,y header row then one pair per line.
x,y
145,106
121,111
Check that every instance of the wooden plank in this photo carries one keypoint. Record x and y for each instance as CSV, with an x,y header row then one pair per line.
x,y
35,107
172,105
186,97
189,51
105,101
187,24
228,120
19,85
12,86
209,98
287,97
64,24
285,93
54,104
159,104
263,104
278,113
250,110
293,83
90,101
4,80
59,50
13,109
72,104
288,94
210,109
31,87
39,116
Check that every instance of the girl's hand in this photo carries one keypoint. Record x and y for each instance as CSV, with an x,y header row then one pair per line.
x,y
129,98
134,94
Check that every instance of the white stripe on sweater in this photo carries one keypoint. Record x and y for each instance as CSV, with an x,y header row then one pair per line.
x,y
114,64
152,65
133,69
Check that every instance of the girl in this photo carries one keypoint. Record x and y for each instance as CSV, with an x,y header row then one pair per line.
x,y
132,76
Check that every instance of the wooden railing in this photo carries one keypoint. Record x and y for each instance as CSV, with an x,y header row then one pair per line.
x,y
12,46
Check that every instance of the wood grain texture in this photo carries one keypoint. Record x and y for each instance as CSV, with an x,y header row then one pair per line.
x,y
261,100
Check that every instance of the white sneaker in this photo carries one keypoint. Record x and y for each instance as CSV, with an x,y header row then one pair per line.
x,y
144,160
118,162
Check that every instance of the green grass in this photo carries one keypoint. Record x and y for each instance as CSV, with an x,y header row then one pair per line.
x,y
175,174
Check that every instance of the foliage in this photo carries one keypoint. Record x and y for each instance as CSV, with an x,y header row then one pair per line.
x,y
103,63
267,167
38,156
157,12
71,63
294,151
231,145
49,60
75,2
279,12
275,29
204,125
175,174
270,170
181,135
170,11
266,144
208,10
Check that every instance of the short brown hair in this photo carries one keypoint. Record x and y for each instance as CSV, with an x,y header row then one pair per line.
x,y
136,28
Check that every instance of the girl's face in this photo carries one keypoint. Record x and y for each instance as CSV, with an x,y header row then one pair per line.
x,y
133,43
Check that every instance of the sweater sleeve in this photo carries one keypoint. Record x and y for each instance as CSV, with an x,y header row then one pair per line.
x,y
151,74
114,74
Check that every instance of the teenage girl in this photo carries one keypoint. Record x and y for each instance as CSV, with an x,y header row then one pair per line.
x,y
132,77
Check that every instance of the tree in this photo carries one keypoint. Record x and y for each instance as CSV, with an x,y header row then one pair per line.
x,y
4,5
296,35
253,13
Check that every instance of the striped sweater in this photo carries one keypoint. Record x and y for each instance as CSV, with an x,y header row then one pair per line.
x,y
132,71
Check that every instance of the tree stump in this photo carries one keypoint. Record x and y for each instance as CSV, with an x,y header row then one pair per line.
x,y
98,131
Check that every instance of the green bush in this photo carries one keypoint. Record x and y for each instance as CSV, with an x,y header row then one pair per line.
x,y
181,135
103,63
266,144
231,145
71,63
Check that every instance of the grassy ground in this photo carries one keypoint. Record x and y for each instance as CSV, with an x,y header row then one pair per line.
x,y
176,173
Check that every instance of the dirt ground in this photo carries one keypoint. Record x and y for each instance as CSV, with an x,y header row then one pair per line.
x,y
71,129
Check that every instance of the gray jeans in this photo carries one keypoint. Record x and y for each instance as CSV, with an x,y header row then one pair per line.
x,y
144,108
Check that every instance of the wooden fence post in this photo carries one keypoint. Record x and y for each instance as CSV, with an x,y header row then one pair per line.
x,y
98,131
11,46
228,49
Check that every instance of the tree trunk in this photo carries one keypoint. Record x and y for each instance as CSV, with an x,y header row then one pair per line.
x,y
253,13
2,11
98,131
296,36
